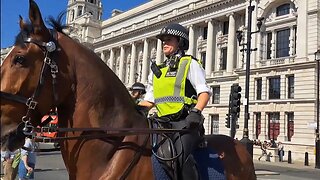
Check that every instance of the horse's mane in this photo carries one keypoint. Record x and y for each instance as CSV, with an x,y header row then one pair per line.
x,y
55,23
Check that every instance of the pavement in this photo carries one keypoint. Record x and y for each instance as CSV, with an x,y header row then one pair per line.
x,y
295,165
266,170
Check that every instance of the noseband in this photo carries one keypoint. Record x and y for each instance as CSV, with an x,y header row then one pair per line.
x,y
49,49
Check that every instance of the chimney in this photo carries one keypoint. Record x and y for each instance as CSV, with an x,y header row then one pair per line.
x,y
116,12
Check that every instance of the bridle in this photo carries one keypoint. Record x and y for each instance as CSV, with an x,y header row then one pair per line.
x,y
49,63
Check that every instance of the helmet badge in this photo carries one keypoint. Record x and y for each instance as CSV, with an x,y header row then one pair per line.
x,y
163,30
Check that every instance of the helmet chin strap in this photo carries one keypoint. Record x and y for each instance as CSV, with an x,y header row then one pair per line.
x,y
177,54
173,60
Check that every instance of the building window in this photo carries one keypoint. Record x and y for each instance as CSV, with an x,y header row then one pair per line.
x,y
274,88
205,33
223,63
225,27
274,125
215,94
259,88
283,10
283,42
258,124
92,1
290,128
80,10
214,123
72,15
290,87
203,59
269,44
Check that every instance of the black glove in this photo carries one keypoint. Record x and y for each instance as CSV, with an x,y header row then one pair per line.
x,y
194,119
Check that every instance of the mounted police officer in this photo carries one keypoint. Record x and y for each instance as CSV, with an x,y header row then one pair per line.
x,y
178,90
137,91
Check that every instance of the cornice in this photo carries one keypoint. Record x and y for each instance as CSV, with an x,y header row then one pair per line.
x,y
126,15
282,67
156,26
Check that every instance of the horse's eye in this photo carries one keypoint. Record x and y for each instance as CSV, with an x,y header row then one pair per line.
x,y
19,59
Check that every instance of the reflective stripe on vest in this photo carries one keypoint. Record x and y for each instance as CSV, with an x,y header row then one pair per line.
x,y
169,92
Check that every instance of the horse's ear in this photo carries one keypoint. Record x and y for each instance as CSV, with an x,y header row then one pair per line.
x,y
35,17
21,23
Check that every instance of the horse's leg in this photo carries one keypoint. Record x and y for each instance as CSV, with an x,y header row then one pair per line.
x,y
123,158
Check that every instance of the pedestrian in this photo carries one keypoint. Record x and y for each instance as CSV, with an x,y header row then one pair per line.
x,y
178,89
137,91
10,162
263,148
280,151
28,160
273,144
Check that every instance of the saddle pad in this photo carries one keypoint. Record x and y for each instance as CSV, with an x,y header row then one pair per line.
x,y
158,171
209,164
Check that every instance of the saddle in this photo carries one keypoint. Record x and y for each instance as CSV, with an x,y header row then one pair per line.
x,y
166,152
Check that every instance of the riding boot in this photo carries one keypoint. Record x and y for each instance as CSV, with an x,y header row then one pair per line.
x,y
190,170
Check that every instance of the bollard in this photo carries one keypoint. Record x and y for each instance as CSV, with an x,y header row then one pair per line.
x,y
306,159
289,157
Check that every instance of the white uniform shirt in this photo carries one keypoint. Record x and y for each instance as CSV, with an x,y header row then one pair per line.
x,y
196,76
8,155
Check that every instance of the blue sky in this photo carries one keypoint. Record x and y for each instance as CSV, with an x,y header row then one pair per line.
x,y
11,9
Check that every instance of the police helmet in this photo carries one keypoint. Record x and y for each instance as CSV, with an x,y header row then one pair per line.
x,y
178,31
138,87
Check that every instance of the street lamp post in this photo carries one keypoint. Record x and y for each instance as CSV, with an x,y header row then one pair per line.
x,y
317,59
245,139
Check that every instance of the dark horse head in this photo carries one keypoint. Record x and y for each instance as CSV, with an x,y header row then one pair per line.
x,y
20,73
47,69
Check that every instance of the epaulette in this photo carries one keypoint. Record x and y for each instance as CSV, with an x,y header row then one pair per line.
x,y
194,58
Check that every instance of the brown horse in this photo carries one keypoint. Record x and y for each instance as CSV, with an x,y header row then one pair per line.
x,y
65,74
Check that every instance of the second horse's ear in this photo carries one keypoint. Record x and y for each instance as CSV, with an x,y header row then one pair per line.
x,y
22,24
35,17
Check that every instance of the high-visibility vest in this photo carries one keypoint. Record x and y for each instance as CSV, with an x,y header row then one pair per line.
x,y
169,89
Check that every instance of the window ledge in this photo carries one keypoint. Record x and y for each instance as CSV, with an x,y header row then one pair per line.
x,y
267,101
277,61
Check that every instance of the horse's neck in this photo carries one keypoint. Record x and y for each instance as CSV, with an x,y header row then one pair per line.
x,y
99,97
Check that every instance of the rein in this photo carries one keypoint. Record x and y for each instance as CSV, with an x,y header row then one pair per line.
x,y
104,132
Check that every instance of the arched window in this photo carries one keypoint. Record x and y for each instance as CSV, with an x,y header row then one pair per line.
x,y
283,9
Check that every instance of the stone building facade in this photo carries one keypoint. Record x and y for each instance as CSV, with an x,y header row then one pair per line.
x,y
283,69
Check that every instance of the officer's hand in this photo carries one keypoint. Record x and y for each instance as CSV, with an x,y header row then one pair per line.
x,y
193,120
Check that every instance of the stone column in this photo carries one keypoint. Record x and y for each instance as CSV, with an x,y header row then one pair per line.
x,y
218,58
191,50
132,63
145,61
302,31
159,52
209,52
121,65
283,87
112,60
103,57
231,44
273,45
291,41
264,94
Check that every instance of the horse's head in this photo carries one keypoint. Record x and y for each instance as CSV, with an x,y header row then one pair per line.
x,y
27,76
